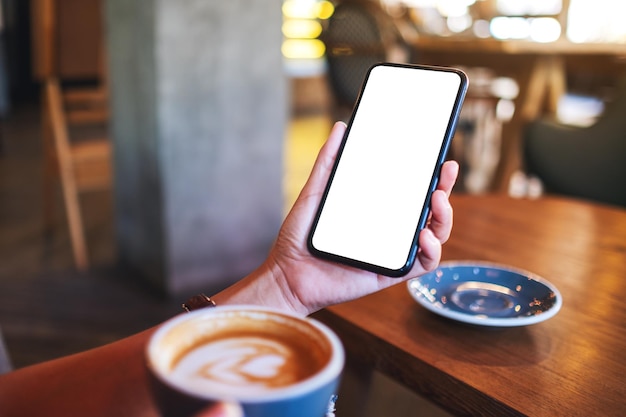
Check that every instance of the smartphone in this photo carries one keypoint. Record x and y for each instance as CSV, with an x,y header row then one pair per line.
x,y
378,196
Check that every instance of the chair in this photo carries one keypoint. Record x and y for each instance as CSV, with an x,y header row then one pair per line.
x,y
358,35
80,165
67,36
5,361
585,162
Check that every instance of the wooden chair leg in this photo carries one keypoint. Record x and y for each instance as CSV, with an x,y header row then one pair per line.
x,y
68,182
50,168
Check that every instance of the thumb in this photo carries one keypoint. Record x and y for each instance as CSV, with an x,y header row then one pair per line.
x,y
221,410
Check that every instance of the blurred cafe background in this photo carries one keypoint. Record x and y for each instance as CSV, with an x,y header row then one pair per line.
x,y
152,148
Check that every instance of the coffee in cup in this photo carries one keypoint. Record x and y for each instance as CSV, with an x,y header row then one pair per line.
x,y
272,363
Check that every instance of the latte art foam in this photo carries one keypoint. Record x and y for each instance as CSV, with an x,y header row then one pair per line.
x,y
250,364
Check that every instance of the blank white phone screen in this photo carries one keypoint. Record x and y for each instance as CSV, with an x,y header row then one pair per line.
x,y
381,182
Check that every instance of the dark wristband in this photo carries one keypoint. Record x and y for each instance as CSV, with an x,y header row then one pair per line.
x,y
197,302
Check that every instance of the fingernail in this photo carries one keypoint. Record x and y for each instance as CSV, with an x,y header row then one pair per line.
x,y
227,410
232,410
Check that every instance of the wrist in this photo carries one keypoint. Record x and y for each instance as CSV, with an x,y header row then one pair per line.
x,y
280,279
267,286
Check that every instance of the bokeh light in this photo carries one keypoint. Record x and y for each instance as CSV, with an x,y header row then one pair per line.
x,y
302,28
503,27
303,48
545,29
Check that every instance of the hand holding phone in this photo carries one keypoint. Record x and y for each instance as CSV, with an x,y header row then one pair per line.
x,y
377,198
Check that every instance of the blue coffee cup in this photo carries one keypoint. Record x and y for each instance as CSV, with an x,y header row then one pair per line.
x,y
272,363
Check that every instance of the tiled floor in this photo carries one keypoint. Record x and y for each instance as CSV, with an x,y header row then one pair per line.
x,y
46,308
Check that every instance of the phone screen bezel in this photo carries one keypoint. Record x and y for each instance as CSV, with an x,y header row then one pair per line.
x,y
423,217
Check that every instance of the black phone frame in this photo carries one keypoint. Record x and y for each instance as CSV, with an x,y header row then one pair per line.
x,y
450,130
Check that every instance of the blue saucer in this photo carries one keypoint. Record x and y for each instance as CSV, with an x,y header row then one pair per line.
x,y
486,294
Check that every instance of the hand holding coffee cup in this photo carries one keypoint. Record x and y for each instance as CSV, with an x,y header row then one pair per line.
x,y
272,363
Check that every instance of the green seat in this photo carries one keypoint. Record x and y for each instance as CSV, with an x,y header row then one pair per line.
x,y
5,362
583,162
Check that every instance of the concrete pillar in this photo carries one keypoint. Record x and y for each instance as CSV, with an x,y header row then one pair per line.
x,y
199,109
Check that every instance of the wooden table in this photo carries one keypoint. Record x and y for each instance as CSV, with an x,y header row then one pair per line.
x,y
540,70
573,364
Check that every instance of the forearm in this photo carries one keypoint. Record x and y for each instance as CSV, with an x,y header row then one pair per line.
x,y
110,380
